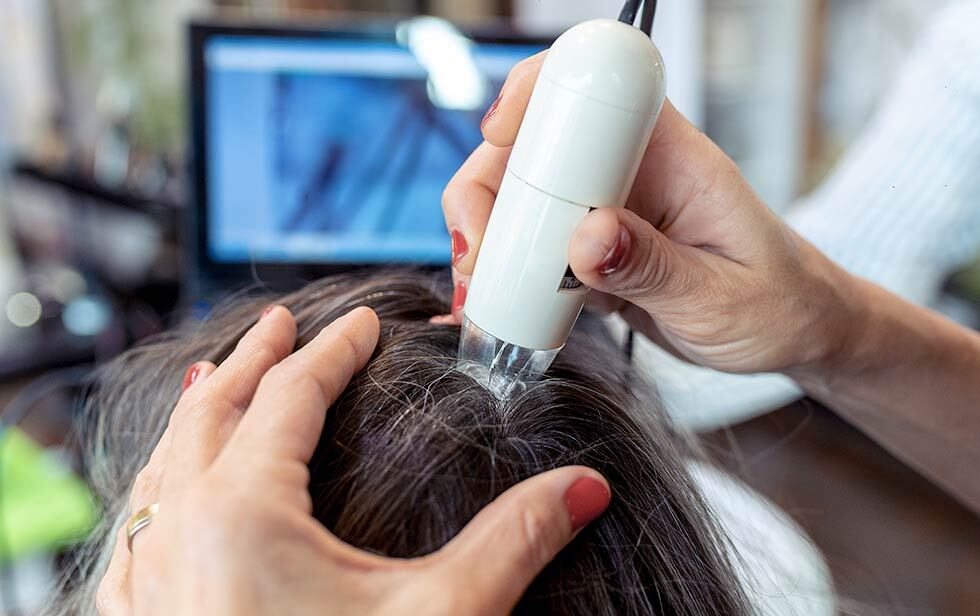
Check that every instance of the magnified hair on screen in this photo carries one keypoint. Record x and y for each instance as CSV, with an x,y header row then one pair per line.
x,y
413,449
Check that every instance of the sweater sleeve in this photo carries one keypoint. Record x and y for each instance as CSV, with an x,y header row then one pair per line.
x,y
902,208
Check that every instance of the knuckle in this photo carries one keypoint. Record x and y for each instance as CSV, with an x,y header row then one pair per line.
x,y
265,353
450,194
515,71
293,378
288,472
525,69
188,405
349,350
293,479
538,535
279,374
190,398
649,270
195,409
145,483
227,515
213,510
439,602
103,597
344,353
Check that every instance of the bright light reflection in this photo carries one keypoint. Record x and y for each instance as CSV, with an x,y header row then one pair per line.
x,y
454,82
23,309
86,316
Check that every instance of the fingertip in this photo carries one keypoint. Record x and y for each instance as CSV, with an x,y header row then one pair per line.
x,y
364,312
577,472
491,113
445,319
274,311
594,243
279,316
466,205
460,290
583,492
363,327
521,531
275,328
197,372
468,201
503,119
586,498
495,135
465,222
366,317
463,257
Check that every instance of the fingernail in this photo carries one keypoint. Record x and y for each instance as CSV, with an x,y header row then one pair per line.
x,y
585,500
490,112
190,376
617,254
460,247
266,312
459,297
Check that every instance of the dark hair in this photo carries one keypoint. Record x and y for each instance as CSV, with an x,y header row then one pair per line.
x,y
415,448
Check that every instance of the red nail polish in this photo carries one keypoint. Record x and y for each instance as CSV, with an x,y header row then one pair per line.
x,y
459,297
489,114
190,376
614,260
266,312
585,500
460,247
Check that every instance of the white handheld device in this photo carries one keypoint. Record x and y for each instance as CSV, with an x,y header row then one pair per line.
x,y
579,147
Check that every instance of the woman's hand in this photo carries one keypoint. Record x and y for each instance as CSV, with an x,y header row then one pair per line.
x,y
234,533
700,265
696,261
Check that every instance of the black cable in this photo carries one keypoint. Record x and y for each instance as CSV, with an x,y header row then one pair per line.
x,y
629,345
630,9
646,20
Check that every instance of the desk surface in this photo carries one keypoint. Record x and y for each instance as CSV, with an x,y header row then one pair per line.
x,y
895,543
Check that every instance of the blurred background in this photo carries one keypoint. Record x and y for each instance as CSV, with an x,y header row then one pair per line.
x,y
148,167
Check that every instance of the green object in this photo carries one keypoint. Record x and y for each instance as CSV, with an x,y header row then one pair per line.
x,y
43,505
966,283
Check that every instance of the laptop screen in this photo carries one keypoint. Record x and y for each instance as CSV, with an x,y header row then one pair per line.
x,y
337,150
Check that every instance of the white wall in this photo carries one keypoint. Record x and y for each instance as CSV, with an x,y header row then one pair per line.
x,y
25,79
755,89
25,106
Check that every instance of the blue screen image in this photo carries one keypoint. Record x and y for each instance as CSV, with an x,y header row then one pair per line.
x,y
331,150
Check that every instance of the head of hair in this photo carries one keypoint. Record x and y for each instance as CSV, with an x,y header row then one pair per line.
x,y
414,448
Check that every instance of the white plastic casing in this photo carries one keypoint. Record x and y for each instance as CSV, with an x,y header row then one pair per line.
x,y
587,126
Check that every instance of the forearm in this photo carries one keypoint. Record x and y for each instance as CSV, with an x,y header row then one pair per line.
x,y
910,379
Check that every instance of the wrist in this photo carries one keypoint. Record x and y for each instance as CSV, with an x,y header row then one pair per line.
x,y
843,331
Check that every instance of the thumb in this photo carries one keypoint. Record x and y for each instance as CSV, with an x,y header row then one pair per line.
x,y
615,251
508,543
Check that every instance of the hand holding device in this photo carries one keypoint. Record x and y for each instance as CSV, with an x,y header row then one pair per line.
x,y
585,129
699,264
695,261
233,532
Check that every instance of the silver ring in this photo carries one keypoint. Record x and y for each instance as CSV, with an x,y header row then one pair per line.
x,y
138,521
